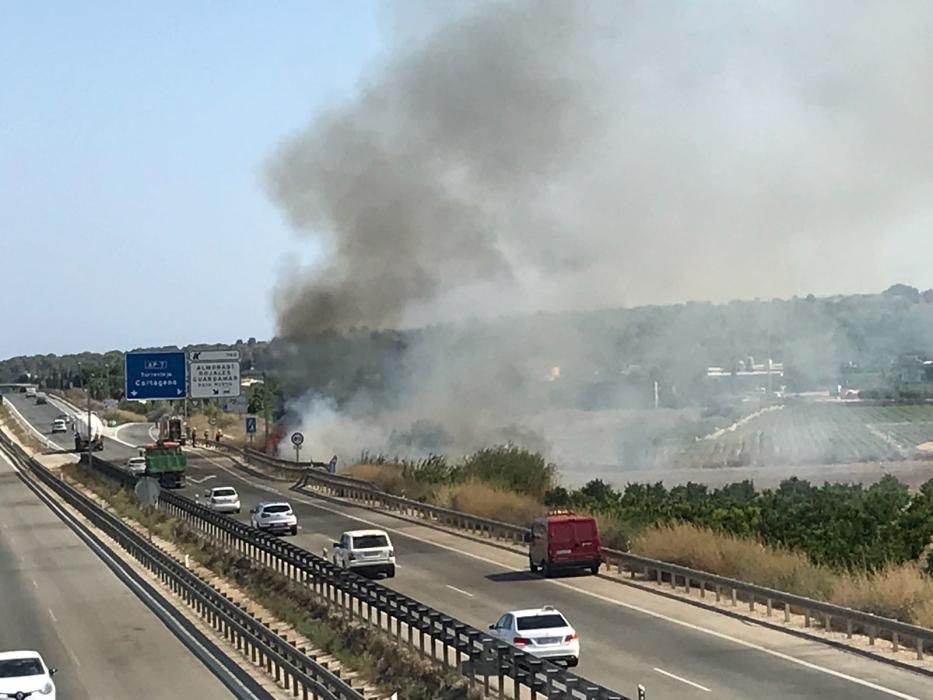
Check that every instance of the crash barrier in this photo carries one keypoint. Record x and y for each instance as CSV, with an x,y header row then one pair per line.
x,y
815,612
490,663
291,668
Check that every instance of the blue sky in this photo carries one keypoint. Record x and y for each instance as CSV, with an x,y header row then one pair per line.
x,y
132,142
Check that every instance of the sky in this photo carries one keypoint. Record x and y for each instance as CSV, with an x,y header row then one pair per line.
x,y
188,172
132,142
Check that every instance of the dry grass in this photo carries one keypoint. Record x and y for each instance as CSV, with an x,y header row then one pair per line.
x,y
388,477
121,417
24,436
486,501
901,592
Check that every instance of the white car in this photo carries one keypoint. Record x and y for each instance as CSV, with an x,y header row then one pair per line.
x,y
59,426
277,516
368,551
23,674
223,499
543,632
136,465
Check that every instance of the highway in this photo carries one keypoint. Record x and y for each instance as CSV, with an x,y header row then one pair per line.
x,y
58,598
628,636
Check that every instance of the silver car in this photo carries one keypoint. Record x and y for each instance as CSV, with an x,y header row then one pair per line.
x,y
276,516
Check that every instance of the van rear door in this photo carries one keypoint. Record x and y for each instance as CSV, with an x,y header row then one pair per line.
x,y
560,540
586,538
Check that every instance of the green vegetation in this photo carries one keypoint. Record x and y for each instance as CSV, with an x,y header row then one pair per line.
x,y
504,467
372,653
866,547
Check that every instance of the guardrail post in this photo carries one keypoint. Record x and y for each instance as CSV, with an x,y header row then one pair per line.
x,y
894,642
735,598
919,643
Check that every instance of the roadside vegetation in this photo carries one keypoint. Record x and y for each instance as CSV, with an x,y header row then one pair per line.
x,y
24,436
864,547
359,647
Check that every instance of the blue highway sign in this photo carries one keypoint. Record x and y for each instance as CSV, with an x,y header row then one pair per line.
x,y
250,424
155,375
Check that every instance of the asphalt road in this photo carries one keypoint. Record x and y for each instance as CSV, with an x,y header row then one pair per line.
x,y
620,646
58,598
671,648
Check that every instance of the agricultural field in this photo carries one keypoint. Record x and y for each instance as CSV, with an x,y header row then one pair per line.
x,y
825,432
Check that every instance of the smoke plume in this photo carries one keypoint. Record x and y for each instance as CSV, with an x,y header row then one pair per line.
x,y
564,155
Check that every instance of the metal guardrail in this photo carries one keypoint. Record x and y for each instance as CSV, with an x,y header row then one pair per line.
x,y
828,615
299,673
440,637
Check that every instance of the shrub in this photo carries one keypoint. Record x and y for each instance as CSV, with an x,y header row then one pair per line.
x,y
512,467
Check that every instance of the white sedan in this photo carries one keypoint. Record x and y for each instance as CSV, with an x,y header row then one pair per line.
x,y
543,632
25,674
136,465
223,499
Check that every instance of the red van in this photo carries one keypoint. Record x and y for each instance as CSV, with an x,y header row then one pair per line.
x,y
563,541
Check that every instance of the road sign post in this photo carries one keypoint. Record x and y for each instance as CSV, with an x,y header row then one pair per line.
x,y
250,428
297,440
155,375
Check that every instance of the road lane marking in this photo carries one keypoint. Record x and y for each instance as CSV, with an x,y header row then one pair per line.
x,y
35,585
460,590
52,615
606,599
73,657
681,679
201,481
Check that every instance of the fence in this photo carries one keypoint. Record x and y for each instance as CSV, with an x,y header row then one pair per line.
x,y
498,667
290,667
829,616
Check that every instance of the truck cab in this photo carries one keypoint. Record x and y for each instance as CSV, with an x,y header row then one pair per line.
x,y
564,541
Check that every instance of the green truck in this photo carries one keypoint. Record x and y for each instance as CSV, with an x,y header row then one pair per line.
x,y
166,462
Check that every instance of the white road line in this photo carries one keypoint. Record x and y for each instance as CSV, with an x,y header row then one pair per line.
x,y
201,481
682,680
35,585
460,590
73,657
606,599
52,615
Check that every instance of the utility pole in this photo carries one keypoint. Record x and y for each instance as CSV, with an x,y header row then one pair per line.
x,y
265,411
90,451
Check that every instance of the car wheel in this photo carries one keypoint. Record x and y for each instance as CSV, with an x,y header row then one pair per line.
x,y
294,530
572,662
532,566
237,511
595,569
391,573
548,571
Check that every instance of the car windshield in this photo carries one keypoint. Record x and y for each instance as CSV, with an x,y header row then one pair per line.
x,y
231,492
541,622
13,668
277,509
369,541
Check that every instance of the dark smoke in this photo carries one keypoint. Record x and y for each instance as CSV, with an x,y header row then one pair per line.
x,y
564,155
420,183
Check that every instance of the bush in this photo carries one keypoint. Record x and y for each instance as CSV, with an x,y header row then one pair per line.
x,y
133,407
512,467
